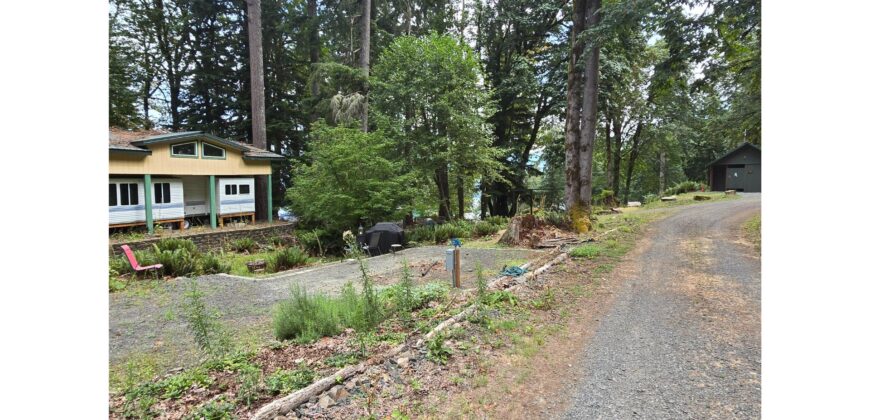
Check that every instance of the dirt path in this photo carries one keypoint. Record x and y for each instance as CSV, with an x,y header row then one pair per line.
x,y
682,337
150,322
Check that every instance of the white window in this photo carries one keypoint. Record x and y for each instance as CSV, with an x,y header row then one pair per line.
x,y
213,152
123,194
162,193
184,149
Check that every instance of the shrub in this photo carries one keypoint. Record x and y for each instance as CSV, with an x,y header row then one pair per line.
x,y
172,244
650,198
211,263
484,228
555,218
685,187
310,240
437,351
585,251
279,241
249,384
122,266
176,385
286,381
500,221
305,318
177,262
217,409
115,284
405,294
286,258
243,245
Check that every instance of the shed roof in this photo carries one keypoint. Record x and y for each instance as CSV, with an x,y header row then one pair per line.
x,y
732,152
136,142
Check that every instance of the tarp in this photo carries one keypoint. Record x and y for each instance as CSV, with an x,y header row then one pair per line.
x,y
381,236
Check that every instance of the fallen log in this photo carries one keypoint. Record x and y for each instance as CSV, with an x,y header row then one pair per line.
x,y
670,198
701,197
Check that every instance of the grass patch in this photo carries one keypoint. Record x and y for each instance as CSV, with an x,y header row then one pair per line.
x,y
752,231
587,251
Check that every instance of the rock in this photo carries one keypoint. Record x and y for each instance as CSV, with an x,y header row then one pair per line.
x,y
338,393
325,402
633,204
403,362
280,418
670,198
350,384
731,192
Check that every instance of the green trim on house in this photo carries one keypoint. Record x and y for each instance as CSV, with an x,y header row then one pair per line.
x,y
269,196
149,217
193,135
212,202
195,154
246,157
202,151
137,153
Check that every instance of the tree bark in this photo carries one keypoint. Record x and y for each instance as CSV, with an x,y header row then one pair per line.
x,y
608,160
364,54
632,158
572,117
460,197
616,159
258,99
589,119
441,181
663,161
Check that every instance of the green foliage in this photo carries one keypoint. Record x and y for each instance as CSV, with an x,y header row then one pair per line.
x,y
279,241
176,385
208,334
306,318
340,360
212,263
351,176
218,409
249,384
554,218
286,258
310,240
287,381
546,301
174,244
588,251
177,262
480,282
115,284
500,221
685,187
499,298
404,292
243,245
484,228
437,351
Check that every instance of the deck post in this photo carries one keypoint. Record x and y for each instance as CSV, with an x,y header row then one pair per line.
x,y
149,217
212,207
269,197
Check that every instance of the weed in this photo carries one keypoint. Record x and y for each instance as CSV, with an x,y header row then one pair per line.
x,y
287,381
480,282
405,294
174,244
500,297
208,333
437,351
211,263
340,360
175,386
249,384
545,302
305,318
218,409
416,385
588,251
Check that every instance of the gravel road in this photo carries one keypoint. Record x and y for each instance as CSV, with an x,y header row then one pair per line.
x,y
683,337
150,321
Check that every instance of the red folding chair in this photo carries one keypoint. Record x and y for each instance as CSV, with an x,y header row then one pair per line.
x,y
135,264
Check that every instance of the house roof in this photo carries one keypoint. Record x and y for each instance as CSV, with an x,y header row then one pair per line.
x,y
126,141
734,151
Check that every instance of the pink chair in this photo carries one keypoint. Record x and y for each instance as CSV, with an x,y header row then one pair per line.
x,y
135,264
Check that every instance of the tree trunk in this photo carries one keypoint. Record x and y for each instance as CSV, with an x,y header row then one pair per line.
x,y
258,100
663,161
364,53
460,197
441,181
572,118
313,45
608,159
616,159
590,109
632,158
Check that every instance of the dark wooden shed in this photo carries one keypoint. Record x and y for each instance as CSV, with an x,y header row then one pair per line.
x,y
739,169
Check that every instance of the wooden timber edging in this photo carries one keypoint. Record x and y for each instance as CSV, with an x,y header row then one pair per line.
x,y
286,404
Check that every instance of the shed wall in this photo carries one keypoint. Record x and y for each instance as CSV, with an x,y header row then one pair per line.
x,y
161,163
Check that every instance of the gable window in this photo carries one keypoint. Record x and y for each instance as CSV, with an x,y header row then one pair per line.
x,y
213,152
113,195
162,193
184,150
244,189
123,194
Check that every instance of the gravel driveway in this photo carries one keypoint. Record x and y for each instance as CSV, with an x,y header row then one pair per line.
x,y
682,339
150,322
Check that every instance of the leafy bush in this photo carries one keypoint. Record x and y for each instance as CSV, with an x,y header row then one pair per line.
x,y
172,244
500,297
685,187
304,317
279,241
437,351
115,284
286,258
211,263
650,198
555,218
500,221
311,240
176,385
249,384
217,409
585,251
122,266
176,262
243,245
287,381
341,360
484,228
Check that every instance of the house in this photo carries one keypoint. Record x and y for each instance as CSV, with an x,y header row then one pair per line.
x,y
167,178
739,169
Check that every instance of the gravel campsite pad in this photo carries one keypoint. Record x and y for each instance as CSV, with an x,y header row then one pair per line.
x,y
150,321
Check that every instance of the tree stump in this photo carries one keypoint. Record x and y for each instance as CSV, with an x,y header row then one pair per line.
x,y
256,265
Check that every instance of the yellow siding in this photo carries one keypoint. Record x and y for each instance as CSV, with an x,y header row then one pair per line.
x,y
160,163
